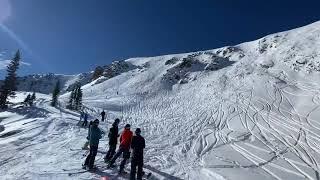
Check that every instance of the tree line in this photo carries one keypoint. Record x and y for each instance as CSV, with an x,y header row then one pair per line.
x,y
9,88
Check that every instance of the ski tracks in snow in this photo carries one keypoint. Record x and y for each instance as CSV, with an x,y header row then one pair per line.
x,y
267,133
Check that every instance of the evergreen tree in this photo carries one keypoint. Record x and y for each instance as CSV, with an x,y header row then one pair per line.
x,y
97,73
78,98
33,97
10,83
55,94
27,99
75,99
71,99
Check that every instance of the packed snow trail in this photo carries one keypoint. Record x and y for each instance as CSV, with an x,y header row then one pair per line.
x,y
43,142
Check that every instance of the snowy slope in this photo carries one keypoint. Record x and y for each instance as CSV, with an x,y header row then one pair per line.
x,y
240,112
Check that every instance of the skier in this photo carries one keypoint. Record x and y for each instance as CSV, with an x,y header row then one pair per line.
x,y
85,120
137,145
124,148
103,115
94,136
85,146
81,115
113,136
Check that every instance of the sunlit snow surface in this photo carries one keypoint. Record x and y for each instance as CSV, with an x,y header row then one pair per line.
x,y
254,115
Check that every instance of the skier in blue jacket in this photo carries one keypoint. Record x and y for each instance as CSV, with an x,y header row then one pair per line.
x,y
94,137
85,120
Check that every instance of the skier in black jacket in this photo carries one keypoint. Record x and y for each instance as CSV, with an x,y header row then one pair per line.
x,y
137,145
103,114
113,138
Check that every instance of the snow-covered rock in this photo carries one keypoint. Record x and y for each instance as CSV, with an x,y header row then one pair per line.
x,y
116,68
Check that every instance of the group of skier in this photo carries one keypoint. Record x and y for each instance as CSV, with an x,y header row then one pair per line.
x,y
128,141
84,116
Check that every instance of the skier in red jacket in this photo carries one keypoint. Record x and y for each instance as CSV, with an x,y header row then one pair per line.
x,y
125,143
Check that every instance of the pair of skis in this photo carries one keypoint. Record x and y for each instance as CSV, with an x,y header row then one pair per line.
x,y
77,171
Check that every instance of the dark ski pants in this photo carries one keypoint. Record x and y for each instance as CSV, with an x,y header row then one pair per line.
x,y
102,118
126,156
111,152
92,155
134,163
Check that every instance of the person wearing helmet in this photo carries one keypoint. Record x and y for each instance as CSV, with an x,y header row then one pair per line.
x,y
95,135
124,148
113,138
137,145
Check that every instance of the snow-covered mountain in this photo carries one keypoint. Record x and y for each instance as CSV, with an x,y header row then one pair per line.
x,y
248,111
45,83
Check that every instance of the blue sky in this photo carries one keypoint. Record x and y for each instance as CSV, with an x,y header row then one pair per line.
x,y
72,36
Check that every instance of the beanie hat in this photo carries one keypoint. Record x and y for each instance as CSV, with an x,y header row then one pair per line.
x,y
127,126
96,121
138,131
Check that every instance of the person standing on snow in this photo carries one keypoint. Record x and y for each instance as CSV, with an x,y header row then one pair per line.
x,y
113,138
81,115
103,115
95,135
85,120
85,146
124,148
137,145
